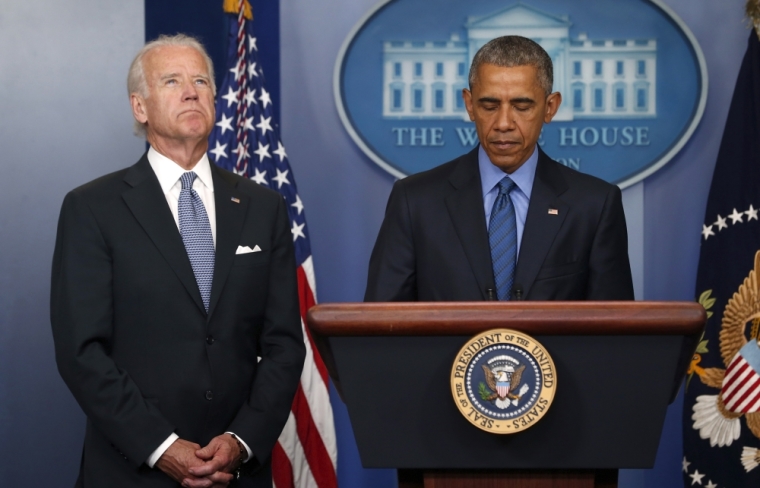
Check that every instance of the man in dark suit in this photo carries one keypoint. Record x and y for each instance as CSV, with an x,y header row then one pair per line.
x,y
503,221
170,278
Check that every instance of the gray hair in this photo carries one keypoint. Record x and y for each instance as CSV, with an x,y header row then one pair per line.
x,y
136,82
510,51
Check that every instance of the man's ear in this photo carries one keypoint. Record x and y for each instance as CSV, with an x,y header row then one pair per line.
x,y
467,97
553,101
138,108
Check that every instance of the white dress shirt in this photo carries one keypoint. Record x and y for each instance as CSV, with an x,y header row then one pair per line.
x,y
168,173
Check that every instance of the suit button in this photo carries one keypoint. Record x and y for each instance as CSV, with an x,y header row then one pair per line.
x,y
210,340
209,395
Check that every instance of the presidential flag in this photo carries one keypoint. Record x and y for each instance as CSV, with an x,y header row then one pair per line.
x,y
246,140
722,397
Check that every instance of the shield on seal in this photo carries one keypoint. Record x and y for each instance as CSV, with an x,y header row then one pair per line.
x,y
741,384
502,388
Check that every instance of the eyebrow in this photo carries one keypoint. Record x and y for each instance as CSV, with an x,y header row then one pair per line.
x,y
175,75
170,75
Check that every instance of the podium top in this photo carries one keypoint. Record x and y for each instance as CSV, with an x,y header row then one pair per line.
x,y
535,318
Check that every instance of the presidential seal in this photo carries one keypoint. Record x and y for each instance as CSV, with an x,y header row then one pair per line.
x,y
503,381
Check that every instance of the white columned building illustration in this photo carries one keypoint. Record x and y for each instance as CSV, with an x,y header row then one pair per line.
x,y
598,78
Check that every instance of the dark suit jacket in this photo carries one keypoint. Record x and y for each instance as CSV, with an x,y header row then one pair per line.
x,y
134,343
433,244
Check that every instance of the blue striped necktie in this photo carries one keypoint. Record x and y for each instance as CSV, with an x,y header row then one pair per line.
x,y
502,235
195,229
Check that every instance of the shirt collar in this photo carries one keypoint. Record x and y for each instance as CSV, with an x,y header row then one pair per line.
x,y
168,172
491,175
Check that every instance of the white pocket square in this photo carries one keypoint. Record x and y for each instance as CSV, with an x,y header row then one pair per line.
x,y
246,249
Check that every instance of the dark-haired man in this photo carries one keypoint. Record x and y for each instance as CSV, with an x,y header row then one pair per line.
x,y
504,221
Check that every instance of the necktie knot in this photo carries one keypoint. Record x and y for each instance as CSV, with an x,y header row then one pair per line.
x,y
187,180
506,185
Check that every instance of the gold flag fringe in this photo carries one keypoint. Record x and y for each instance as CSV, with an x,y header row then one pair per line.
x,y
233,7
753,12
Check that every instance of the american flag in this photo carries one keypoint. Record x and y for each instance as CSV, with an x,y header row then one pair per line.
x,y
246,140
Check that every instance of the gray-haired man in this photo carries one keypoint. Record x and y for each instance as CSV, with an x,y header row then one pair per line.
x,y
158,312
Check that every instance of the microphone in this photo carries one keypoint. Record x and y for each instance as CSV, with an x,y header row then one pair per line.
x,y
517,292
490,294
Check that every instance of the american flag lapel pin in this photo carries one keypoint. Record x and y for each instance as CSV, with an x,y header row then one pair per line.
x,y
553,211
236,200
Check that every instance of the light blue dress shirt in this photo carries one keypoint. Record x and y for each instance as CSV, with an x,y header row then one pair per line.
x,y
491,175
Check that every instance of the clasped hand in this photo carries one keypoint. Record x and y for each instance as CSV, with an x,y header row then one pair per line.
x,y
196,467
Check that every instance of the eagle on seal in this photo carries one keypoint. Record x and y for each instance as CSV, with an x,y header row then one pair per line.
x,y
502,385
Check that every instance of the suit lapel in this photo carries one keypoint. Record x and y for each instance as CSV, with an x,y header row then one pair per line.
x,y
148,204
541,227
230,217
465,206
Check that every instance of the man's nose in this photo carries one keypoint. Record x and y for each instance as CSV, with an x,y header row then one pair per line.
x,y
190,92
505,119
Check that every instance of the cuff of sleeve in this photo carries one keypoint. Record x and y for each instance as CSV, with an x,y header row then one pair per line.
x,y
156,455
247,449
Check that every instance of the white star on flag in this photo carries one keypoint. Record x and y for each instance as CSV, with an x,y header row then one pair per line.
x,y
225,124
241,151
265,124
219,151
736,217
721,223
696,478
265,97
280,151
262,152
751,213
250,97
281,178
260,177
298,205
231,96
707,231
252,43
252,69
710,484
297,231
239,68
248,124
685,465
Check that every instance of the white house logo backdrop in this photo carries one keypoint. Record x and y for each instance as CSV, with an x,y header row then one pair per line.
x,y
632,77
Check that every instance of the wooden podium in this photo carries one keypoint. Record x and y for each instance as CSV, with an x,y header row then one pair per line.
x,y
618,364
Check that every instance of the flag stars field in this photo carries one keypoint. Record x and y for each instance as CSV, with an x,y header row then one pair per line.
x,y
306,452
736,217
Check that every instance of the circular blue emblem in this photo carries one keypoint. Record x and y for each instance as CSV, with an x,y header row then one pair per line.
x,y
632,77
